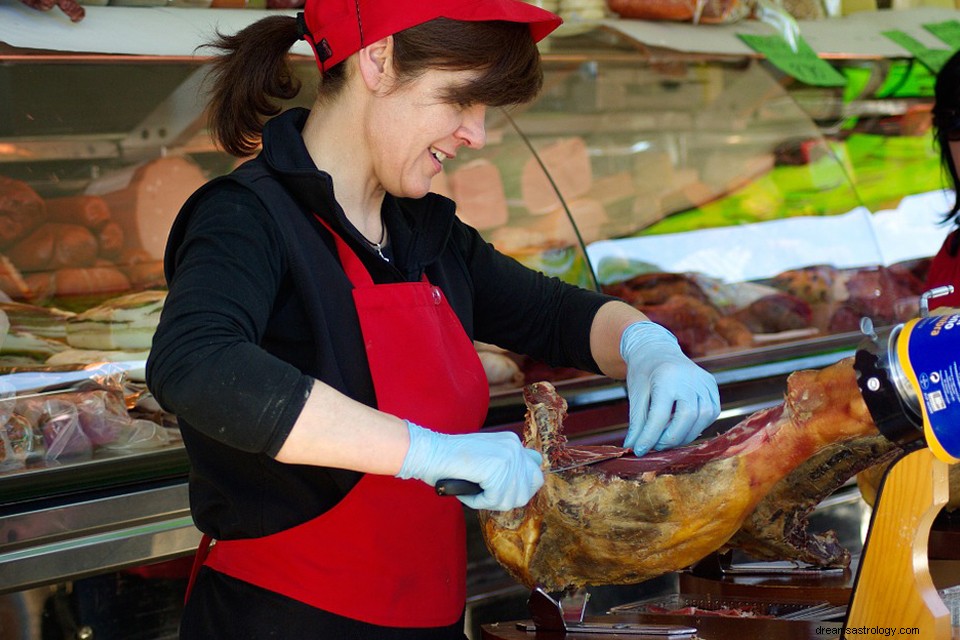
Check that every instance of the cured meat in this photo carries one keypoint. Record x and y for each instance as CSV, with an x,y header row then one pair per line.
x,y
626,520
777,529
55,245
71,8
699,327
876,294
21,210
708,12
656,288
126,322
679,302
568,163
478,191
90,211
774,313
145,200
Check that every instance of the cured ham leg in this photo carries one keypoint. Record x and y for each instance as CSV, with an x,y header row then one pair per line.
x,y
629,519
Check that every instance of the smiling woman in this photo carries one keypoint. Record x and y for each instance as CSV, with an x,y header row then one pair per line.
x,y
323,304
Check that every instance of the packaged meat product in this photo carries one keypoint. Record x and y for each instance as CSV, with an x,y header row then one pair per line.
x,y
63,437
820,286
143,271
145,200
110,240
556,228
55,245
90,211
24,347
19,443
656,288
90,414
12,284
700,328
125,322
85,283
501,369
874,292
93,356
140,434
775,313
21,210
43,322
71,8
478,191
708,12
568,163
102,415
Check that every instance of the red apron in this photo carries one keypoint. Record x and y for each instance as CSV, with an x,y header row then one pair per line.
x,y
392,552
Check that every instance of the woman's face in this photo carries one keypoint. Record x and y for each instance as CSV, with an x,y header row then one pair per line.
x,y
412,131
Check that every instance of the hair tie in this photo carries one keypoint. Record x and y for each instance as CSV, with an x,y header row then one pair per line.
x,y
302,29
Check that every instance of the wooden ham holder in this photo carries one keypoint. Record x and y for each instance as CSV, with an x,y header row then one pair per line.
x,y
893,586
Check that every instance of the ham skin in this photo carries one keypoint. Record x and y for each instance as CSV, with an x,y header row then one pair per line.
x,y
630,519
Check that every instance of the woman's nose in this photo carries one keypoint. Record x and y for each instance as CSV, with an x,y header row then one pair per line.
x,y
473,131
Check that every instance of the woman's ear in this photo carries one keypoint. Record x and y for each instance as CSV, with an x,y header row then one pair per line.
x,y
376,64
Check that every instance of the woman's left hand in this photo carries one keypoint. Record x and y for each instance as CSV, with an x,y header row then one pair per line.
x,y
672,399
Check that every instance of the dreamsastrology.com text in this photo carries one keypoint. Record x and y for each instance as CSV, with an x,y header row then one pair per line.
x,y
884,632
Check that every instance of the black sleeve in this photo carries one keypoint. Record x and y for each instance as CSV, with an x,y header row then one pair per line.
x,y
205,364
525,311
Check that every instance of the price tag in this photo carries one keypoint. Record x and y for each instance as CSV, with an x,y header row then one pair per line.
x,y
803,64
948,31
932,59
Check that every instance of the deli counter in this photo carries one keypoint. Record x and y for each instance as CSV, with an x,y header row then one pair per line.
x,y
757,217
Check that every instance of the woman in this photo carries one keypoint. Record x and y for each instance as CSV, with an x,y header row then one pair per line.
x,y
322,306
945,267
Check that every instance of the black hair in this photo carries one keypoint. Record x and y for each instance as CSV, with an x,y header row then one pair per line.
x,y
946,124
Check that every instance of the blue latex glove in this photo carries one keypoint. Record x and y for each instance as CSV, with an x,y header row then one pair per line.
x,y
672,400
508,472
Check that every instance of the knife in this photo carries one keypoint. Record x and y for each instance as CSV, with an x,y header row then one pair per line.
x,y
460,487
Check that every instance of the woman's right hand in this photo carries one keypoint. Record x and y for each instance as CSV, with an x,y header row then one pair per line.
x,y
508,472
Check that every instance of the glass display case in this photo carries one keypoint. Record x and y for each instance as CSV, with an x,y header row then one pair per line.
x,y
756,217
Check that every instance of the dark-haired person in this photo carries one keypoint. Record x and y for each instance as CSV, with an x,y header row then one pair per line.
x,y
945,267
316,343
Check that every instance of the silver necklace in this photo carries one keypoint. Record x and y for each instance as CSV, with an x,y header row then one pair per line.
x,y
378,246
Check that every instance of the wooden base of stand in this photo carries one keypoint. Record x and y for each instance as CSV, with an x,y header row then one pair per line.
x,y
893,587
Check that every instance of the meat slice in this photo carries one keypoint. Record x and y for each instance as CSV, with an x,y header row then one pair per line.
x,y
656,288
700,328
629,519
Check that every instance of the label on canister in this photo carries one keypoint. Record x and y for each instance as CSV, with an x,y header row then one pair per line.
x,y
928,350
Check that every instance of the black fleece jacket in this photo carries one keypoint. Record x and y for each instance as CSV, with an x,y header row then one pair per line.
x,y
258,306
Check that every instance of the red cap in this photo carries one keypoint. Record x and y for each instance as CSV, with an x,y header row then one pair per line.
x,y
339,28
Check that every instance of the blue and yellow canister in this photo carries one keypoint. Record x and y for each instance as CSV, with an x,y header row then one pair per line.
x,y
925,368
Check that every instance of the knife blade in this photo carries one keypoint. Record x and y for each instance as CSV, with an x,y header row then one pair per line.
x,y
461,487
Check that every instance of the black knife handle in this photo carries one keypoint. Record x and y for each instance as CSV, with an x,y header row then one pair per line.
x,y
457,487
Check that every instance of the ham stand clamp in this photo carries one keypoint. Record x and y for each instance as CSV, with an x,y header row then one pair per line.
x,y
910,381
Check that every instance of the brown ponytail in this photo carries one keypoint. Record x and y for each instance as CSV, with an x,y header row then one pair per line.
x,y
248,80
252,76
